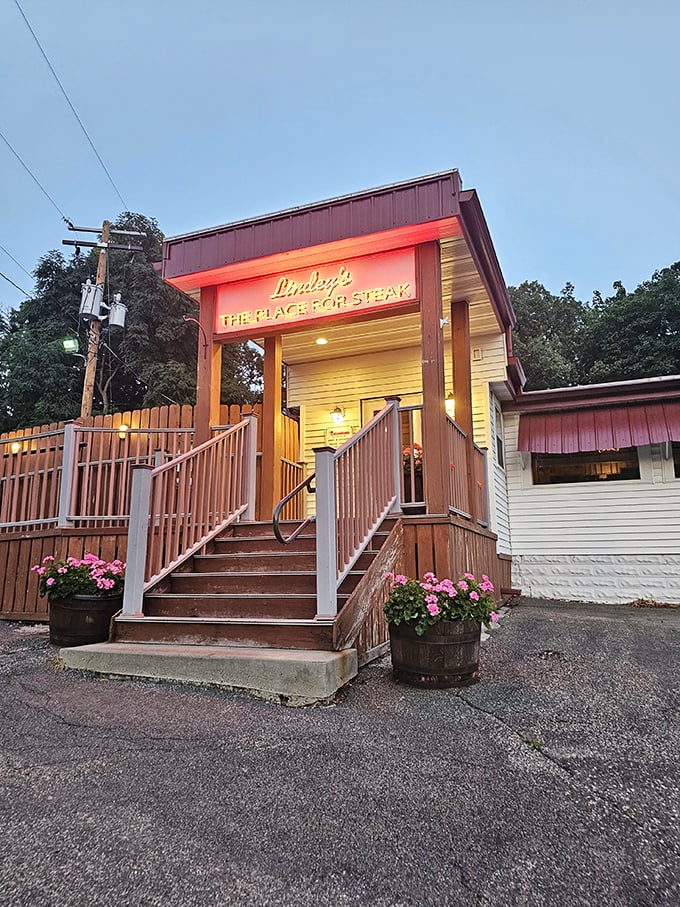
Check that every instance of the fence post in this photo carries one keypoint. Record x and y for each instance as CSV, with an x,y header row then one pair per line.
x,y
68,468
251,466
397,456
326,534
138,534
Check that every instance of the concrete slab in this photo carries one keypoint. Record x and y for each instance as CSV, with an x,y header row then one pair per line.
x,y
292,676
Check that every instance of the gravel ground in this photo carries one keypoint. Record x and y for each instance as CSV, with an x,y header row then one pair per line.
x,y
554,781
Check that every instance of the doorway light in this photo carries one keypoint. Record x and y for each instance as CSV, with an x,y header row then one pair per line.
x,y
15,447
338,415
123,429
321,341
451,406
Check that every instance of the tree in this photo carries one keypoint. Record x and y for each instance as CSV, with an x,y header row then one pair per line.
x,y
151,362
636,335
548,335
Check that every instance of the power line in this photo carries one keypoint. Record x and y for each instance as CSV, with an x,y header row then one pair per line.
x,y
68,101
18,264
27,295
35,179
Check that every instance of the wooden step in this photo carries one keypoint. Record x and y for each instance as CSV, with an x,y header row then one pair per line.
x,y
226,631
251,581
243,530
258,562
267,562
272,607
251,544
254,582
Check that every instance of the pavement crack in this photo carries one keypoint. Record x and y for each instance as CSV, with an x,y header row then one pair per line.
x,y
565,769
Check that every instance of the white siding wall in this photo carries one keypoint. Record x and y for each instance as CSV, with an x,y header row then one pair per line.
x,y
316,387
607,542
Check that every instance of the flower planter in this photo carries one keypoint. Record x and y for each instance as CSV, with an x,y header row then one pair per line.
x,y
82,619
446,655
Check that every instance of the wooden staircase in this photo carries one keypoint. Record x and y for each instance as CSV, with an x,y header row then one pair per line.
x,y
247,590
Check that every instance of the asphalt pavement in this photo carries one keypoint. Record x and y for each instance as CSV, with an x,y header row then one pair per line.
x,y
554,781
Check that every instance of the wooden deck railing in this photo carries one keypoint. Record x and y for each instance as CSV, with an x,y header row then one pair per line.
x,y
356,487
459,493
178,507
103,476
30,480
291,476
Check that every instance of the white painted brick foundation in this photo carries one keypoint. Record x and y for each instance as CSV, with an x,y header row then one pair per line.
x,y
604,578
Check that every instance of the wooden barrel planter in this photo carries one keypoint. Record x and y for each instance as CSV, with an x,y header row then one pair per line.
x,y
82,619
446,655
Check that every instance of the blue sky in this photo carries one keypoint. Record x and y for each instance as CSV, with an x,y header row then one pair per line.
x,y
564,117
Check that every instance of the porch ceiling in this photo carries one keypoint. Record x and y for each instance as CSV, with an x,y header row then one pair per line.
x,y
460,280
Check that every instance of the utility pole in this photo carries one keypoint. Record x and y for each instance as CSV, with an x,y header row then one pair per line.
x,y
92,301
94,331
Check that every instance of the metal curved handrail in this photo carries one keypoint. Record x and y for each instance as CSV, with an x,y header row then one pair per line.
x,y
306,483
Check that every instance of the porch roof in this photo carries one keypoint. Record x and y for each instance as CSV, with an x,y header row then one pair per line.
x,y
599,428
389,217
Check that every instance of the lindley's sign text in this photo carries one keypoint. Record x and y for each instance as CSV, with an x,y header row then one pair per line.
x,y
374,282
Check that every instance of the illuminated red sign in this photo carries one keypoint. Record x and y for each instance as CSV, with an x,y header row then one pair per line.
x,y
283,301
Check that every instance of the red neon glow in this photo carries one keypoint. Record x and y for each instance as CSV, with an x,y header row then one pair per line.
x,y
340,288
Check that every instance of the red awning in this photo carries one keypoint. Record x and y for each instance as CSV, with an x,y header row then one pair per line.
x,y
599,428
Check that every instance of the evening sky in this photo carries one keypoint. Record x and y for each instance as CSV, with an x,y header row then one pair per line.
x,y
564,117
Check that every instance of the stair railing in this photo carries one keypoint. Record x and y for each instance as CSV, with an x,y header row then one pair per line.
x,y
357,485
305,483
179,506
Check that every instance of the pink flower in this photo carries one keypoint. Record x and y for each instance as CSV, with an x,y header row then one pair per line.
x,y
474,596
51,581
469,576
48,559
387,575
430,577
494,617
401,579
426,586
431,599
62,570
463,586
433,608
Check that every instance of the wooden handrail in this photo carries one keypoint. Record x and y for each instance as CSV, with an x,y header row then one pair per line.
x,y
179,506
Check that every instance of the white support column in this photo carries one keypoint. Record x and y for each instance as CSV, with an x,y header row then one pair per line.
x,y
397,456
251,467
326,534
138,534
68,468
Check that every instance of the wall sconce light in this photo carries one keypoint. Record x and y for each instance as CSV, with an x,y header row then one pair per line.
x,y
122,431
15,447
451,406
321,341
338,415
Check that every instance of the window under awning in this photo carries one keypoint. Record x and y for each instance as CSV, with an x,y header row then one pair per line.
x,y
599,428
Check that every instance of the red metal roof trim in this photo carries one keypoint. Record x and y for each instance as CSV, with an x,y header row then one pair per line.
x,y
599,428
419,201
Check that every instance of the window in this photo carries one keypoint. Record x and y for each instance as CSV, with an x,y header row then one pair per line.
x,y
500,439
586,466
676,458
